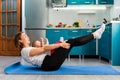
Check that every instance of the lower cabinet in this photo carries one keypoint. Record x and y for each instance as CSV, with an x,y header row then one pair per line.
x,y
115,44
87,49
90,47
73,33
109,44
104,44
54,35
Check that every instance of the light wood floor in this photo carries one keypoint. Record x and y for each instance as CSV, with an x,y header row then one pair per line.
x,y
5,61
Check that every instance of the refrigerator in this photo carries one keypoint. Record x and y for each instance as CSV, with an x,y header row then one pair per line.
x,y
35,18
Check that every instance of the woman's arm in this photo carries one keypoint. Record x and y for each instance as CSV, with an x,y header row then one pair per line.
x,y
41,50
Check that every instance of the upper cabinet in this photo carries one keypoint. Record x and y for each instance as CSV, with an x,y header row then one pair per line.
x,y
73,2
88,2
78,2
105,1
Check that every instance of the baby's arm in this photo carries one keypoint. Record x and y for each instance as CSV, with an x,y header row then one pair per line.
x,y
42,42
46,41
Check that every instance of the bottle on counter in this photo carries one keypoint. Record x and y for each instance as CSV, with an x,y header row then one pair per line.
x,y
61,39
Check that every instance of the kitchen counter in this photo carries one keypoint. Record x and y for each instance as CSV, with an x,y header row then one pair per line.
x,y
115,21
74,28
58,28
70,28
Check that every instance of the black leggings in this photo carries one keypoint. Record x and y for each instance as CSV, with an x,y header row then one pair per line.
x,y
54,61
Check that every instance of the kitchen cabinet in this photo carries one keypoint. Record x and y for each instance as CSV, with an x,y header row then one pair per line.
x,y
115,44
104,44
73,33
105,1
87,49
73,2
109,44
87,2
54,35
90,47
80,2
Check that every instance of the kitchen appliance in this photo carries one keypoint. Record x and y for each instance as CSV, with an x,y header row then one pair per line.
x,y
36,18
59,3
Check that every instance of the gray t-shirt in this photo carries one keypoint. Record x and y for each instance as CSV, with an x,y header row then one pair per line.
x,y
34,60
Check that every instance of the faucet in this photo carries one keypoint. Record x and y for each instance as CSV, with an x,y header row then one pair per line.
x,y
88,24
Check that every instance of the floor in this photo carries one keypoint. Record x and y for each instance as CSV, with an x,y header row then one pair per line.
x,y
5,61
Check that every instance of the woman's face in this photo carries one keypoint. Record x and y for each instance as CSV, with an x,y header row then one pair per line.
x,y
24,39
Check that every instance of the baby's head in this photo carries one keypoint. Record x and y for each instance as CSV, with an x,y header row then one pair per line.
x,y
36,43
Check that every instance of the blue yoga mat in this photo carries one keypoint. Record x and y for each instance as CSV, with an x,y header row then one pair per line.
x,y
17,68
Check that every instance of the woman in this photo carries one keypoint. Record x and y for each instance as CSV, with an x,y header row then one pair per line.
x,y
39,55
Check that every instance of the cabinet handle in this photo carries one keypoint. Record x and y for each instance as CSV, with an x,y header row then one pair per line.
x,y
86,2
73,2
104,2
74,31
56,31
72,37
89,31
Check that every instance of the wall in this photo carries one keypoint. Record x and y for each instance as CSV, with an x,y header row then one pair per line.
x,y
70,16
36,18
23,16
115,11
67,17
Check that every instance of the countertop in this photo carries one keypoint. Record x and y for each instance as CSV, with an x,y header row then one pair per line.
x,y
32,28
74,28
58,28
115,21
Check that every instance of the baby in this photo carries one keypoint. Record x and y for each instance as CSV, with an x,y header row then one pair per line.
x,y
42,42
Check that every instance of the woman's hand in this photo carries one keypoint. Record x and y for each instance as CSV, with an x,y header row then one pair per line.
x,y
65,45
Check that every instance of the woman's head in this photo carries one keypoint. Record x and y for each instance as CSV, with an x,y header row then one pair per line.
x,y
21,40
